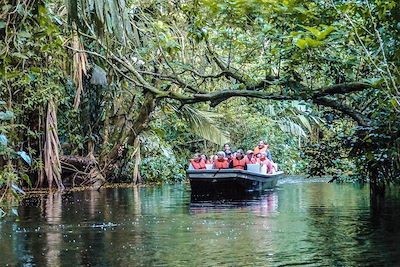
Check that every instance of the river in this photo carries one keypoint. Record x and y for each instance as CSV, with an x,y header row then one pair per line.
x,y
301,222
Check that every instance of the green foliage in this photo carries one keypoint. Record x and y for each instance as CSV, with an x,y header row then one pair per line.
x,y
12,170
302,45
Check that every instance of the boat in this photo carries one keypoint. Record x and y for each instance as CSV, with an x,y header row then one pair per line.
x,y
232,182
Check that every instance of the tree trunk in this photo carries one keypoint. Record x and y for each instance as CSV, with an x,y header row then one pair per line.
x,y
110,161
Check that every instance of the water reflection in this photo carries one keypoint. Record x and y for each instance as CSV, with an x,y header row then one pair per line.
x,y
53,237
260,203
303,223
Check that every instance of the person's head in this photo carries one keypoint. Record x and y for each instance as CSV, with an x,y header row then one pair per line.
x,y
263,155
227,147
258,155
220,155
197,157
239,153
249,153
204,157
261,144
228,154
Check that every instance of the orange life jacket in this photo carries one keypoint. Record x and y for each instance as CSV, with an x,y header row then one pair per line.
x,y
253,160
201,165
221,164
239,163
260,150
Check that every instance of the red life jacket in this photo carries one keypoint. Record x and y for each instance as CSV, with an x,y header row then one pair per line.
x,y
250,161
239,163
201,165
221,164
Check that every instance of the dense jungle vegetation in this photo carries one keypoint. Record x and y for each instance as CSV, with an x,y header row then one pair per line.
x,y
94,91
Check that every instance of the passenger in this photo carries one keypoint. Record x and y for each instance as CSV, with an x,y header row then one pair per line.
x,y
250,159
221,162
226,148
197,162
260,148
212,158
263,160
258,156
238,161
205,159
228,154
269,156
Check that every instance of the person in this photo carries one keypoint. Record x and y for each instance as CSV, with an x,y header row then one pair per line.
x,y
205,158
250,159
238,161
228,154
227,148
269,156
260,148
212,158
197,162
221,162
263,160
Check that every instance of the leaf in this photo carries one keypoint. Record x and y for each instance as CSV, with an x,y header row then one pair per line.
x,y
99,5
6,116
14,211
202,123
17,189
320,35
305,122
2,24
25,177
394,102
301,43
3,139
19,55
25,157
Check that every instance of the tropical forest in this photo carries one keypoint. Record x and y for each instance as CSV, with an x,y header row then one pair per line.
x,y
107,105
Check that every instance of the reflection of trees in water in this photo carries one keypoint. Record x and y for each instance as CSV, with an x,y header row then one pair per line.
x,y
339,223
53,211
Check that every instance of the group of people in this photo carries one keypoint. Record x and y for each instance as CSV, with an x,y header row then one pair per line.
x,y
226,159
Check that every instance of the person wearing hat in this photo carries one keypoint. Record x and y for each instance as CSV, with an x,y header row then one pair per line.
x,y
250,159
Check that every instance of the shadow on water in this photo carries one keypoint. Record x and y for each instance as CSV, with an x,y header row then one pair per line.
x,y
263,202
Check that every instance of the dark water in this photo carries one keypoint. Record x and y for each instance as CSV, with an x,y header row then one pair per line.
x,y
299,223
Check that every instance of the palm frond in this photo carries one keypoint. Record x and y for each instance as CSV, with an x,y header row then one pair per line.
x,y
290,126
203,124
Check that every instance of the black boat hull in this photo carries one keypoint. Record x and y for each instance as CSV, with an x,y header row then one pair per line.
x,y
230,182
